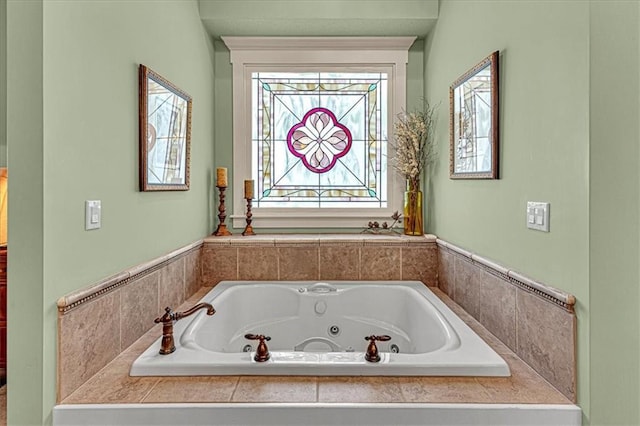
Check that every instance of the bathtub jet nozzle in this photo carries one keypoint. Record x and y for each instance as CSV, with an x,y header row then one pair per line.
x,y
168,345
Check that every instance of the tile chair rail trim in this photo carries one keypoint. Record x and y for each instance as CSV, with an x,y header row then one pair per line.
x,y
546,292
77,298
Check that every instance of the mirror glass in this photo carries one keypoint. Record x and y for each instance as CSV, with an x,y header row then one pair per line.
x,y
474,122
165,134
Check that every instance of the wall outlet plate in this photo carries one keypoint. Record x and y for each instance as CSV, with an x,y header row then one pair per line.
x,y
92,214
538,216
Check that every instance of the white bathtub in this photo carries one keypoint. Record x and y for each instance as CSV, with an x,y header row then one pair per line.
x,y
318,329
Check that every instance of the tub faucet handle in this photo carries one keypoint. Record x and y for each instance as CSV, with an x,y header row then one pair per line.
x,y
168,316
262,353
168,345
372,354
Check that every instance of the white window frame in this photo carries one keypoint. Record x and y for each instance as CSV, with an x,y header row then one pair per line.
x,y
255,54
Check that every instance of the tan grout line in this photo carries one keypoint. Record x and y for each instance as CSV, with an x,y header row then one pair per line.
x,y
278,278
237,380
517,336
237,263
278,262
484,388
120,322
235,388
184,279
158,307
151,389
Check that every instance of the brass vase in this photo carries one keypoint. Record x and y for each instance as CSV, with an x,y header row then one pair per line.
x,y
413,217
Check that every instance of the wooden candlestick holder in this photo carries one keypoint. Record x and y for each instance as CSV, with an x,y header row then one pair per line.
x,y
248,230
222,215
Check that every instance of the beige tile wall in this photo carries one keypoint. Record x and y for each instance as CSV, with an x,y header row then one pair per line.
x,y
537,329
94,332
295,257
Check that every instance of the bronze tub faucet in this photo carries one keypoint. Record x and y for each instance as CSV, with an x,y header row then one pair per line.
x,y
262,353
372,354
167,320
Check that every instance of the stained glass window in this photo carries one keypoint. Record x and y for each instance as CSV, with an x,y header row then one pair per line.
x,y
319,139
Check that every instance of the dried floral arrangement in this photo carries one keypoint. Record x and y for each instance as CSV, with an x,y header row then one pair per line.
x,y
414,143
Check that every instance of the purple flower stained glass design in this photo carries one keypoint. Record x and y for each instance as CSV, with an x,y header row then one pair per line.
x,y
319,140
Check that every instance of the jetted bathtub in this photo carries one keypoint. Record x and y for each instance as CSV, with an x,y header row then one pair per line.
x,y
319,329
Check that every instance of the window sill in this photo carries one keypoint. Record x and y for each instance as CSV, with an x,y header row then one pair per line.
x,y
335,218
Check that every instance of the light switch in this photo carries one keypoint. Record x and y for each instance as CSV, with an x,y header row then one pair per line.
x,y
92,214
538,216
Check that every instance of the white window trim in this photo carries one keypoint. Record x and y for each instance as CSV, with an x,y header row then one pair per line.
x,y
251,54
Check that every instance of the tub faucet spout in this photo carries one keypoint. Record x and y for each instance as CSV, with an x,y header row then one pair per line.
x,y
168,345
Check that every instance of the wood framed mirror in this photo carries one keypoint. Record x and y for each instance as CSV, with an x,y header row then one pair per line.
x,y
165,134
474,122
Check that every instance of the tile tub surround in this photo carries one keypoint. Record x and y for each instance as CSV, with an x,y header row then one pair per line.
x,y
506,303
130,300
534,320
320,257
113,385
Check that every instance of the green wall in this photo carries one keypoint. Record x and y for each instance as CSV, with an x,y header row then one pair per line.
x,y
569,136
25,130
614,212
73,136
544,137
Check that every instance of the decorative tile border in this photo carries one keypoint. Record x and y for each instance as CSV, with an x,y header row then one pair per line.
x,y
553,295
77,298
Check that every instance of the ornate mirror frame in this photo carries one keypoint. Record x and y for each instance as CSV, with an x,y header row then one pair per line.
x,y
165,134
474,122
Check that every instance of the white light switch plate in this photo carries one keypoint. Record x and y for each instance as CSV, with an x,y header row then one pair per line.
x,y
92,214
538,216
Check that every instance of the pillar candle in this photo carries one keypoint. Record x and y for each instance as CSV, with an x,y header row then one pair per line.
x,y
248,189
221,175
